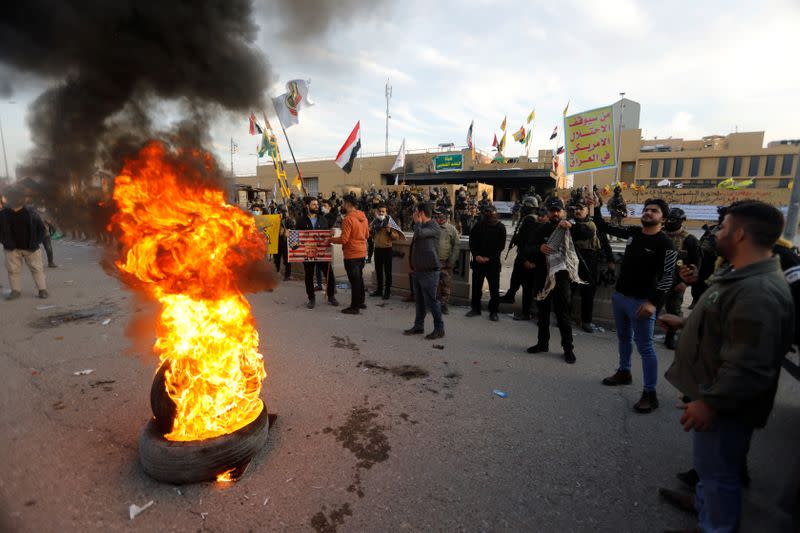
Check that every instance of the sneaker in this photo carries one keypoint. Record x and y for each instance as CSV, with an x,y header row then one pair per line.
x,y
679,500
445,310
472,313
52,265
375,293
435,335
333,301
569,357
493,317
521,316
311,304
588,327
620,377
507,299
350,311
13,295
647,403
538,348
413,331
43,294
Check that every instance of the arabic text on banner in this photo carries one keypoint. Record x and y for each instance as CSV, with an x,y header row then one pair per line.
x,y
590,140
269,226
309,245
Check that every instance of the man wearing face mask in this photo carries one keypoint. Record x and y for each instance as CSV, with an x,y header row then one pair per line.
x,y
689,254
647,273
486,241
383,235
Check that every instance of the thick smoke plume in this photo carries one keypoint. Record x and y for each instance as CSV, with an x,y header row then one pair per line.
x,y
111,62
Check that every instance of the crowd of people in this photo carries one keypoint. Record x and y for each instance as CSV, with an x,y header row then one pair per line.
x,y
744,282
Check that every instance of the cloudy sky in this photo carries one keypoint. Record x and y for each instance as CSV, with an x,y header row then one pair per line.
x,y
696,68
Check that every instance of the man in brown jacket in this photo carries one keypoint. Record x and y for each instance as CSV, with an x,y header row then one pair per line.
x,y
383,235
728,360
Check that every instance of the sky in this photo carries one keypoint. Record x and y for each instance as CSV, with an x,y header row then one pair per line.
x,y
696,68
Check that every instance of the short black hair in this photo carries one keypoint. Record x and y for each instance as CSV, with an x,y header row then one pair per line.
x,y
381,206
350,198
762,222
662,205
426,208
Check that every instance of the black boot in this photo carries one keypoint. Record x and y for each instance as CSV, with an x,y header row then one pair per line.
x,y
647,403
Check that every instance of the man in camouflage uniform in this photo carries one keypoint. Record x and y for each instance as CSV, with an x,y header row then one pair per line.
x,y
617,207
689,254
448,254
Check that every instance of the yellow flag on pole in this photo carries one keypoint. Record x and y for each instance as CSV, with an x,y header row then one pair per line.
x,y
532,115
566,108
503,125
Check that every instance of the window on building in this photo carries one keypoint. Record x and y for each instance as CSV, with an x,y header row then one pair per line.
x,y
311,185
737,166
654,168
679,168
722,167
695,167
769,170
667,168
786,166
753,169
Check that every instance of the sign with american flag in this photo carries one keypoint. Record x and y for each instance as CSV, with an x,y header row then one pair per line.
x,y
309,245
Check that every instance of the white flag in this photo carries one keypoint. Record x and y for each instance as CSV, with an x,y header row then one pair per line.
x,y
400,162
289,104
664,183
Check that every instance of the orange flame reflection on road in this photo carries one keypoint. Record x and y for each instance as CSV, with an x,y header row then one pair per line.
x,y
184,244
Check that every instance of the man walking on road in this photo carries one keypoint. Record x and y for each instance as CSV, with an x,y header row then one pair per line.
x,y
21,234
645,276
355,231
728,360
486,241
425,268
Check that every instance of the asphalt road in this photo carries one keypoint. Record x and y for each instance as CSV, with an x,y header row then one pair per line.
x,y
355,447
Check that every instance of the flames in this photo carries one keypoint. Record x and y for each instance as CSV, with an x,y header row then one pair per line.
x,y
184,245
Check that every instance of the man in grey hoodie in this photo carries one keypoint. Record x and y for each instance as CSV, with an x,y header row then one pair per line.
x,y
425,267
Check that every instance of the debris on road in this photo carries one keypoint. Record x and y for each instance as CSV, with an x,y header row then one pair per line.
x,y
500,393
45,307
83,372
439,346
106,322
134,510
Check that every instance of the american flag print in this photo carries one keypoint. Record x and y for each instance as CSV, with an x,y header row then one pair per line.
x,y
309,245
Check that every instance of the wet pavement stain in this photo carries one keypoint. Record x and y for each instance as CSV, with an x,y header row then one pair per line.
x,y
344,343
323,523
406,372
88,314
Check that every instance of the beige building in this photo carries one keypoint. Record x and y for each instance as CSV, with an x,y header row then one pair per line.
x,y
702,163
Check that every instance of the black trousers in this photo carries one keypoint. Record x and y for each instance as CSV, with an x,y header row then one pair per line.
x,y
558,300
587,270
355,275
383,269
309,268
517,274
48,247
528,278
282,257
491,273
370,248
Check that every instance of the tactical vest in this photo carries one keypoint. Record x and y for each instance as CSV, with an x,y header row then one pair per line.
x,y
678,238
588,244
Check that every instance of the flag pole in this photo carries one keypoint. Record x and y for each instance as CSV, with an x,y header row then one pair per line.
x,y
294,160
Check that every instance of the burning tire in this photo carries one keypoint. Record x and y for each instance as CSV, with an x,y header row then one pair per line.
x,y
182,462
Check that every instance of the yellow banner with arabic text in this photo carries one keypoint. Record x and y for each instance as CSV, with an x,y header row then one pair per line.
x,y
269,226
590,140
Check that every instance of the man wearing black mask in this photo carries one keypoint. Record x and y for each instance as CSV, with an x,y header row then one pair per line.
x,y
486,241
688,248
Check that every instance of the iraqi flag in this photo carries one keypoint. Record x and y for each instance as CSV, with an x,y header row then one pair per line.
x,y
350,149
555,132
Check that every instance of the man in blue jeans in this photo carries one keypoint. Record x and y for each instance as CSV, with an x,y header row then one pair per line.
x,y
425,267
646,275
728,360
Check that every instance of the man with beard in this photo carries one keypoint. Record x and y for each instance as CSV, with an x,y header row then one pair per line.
x,y
527,224
353,239
21,234
425,267
645,276
688,248
728,360
486,241
312,219
558,297
589,249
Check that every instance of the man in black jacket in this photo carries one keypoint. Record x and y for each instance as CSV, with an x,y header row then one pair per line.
x,y
645,277
527,223
21,234
313,219
559,296
425,269
486,241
